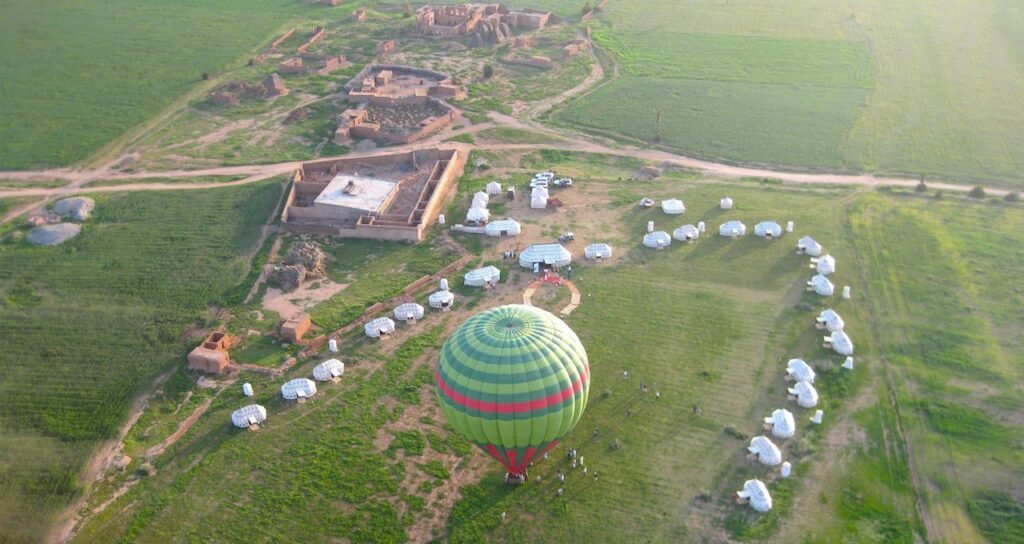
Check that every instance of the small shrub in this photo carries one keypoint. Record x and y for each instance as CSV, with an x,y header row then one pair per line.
x,y
488,71
921,186
938,195
977,192
734,432
1012,197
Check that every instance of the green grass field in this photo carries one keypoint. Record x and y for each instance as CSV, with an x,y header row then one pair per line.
x,y
865,85
86,71
87,323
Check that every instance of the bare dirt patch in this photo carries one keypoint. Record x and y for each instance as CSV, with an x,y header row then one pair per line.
x,y
301,300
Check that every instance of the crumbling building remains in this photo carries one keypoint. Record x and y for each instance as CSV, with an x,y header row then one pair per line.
x,y
488,23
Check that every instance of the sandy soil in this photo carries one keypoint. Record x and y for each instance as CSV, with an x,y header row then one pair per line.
x,y
299,301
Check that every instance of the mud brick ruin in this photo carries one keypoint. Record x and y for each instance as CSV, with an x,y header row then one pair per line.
x,y
487,23
212,355
386,197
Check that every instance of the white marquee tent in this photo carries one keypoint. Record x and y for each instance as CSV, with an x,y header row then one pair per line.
x,y
480,200
598,251
805,394
673,206
768,229
756,495
479,277
800,371
478,215
546,254
820,284
299,388
327,370
657,239
765,451
408,310
247,416
494,188
441,299
829,319
808,246
824,265
732,228
781,423
725,203
840,343
379,327
686,233
539,198
503,227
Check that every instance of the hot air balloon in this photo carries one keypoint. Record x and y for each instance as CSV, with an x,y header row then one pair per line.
x,y
514,380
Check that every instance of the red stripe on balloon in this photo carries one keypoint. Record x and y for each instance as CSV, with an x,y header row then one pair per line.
x,y
508,407
493,451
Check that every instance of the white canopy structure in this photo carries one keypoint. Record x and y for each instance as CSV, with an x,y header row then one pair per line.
x,y
816,418
732,228
840,343
786,469
686,233
478,215
805,394
494,188
328,370
408,310
247,389
807,246
299,388
480,200
781,423
479,277
829,319
503,227
725,203
765,451
247,416
441,299
545,254
378,327
820,284
539,198
443,284
768,229
756,495
598,251
824,265
673,206
657,239
800,371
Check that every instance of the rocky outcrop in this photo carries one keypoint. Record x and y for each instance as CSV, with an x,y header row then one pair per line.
x,y
289,276
310,256
52,235
77,208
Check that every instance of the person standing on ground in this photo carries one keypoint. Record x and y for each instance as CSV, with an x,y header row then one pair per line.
x,y
625,374
503,517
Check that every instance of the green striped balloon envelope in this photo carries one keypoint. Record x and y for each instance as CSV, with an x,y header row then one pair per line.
x,y
514,380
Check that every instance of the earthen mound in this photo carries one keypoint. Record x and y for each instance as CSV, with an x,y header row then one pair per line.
x,y
310,256
77,208
289,276
52,235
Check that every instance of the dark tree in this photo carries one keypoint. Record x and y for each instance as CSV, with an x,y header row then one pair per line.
x,y
977,192
488,71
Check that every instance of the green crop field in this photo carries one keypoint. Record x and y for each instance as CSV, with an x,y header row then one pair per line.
x,y
86,71
87,323
868,85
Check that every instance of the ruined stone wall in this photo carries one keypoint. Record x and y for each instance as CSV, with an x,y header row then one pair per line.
x,y
285,36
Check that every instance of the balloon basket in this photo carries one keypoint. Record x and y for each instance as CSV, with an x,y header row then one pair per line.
x,y
515,479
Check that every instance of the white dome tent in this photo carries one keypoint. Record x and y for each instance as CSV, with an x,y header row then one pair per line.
x,y
766,452
382,326
781,423
820,284
299,388
840,343
768,229
328,370
494,188
756,495
482,276
503,227
808,246
732,229
441,300
480,200
673,206
539,198
478,215
799,371
408,311
829,319
686,233
248,416
805,394
553,255
725,203
824,265
657,239
598,251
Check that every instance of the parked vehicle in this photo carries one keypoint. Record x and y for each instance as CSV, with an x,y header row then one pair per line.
x,y
563,182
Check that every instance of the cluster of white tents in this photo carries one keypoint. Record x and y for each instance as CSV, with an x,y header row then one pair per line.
x,y
478,213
